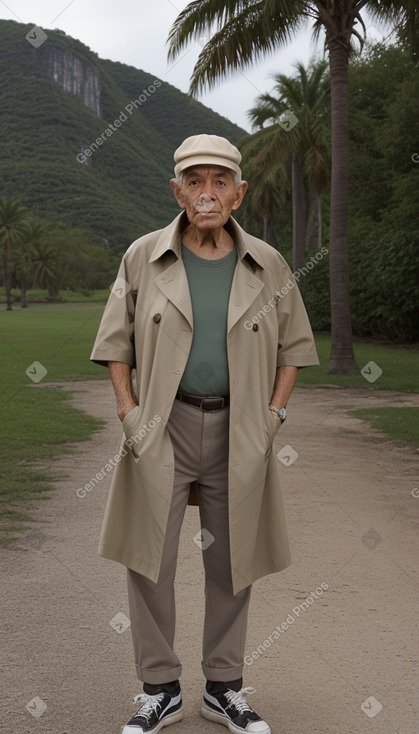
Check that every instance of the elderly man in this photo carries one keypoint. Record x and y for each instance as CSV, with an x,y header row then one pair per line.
x,y
203,335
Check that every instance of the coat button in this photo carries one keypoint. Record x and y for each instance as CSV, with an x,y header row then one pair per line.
x,y
255,327
157,318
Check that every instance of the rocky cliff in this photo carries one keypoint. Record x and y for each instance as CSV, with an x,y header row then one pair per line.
x,y
89,142
72,74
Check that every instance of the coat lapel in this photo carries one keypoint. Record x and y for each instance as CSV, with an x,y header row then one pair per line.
x,y
244,290
173,283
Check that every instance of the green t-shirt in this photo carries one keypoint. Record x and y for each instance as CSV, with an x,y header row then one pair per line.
x,y
206,371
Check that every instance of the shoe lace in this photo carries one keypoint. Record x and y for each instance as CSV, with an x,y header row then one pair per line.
x,y
236,698
148,703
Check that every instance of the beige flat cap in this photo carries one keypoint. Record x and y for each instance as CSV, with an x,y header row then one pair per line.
x,y
212,150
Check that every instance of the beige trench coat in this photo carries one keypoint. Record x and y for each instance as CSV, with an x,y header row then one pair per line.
x,y
148,324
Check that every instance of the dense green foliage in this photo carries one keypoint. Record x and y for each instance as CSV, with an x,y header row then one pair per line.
x,y
275,155
37,254
384,231
92,212
384,195
384,213
123,190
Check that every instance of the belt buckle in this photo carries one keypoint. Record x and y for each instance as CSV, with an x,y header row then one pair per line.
x,y
212,401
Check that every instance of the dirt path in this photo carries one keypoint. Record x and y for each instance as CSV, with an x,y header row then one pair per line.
x,y
345,612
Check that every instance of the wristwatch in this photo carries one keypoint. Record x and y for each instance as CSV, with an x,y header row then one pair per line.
x,y
281,413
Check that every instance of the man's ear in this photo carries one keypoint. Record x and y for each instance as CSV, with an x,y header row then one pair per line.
x,y
177,192
241,190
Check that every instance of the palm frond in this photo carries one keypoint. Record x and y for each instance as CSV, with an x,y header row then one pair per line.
x,y
244,32
199,17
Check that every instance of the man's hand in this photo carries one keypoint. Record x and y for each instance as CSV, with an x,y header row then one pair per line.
x,y
284,383
120,374
124,409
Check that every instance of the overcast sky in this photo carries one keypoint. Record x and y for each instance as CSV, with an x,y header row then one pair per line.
x,y
135,32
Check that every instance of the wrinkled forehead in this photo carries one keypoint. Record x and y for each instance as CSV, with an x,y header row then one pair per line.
x,y
204,170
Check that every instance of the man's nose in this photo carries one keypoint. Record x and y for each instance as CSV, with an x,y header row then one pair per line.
x,y
204,203
209,188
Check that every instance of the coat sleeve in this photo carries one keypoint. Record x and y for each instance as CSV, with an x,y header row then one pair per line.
x,y
115,337
296,344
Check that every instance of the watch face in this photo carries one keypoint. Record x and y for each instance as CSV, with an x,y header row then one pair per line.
x,y
282,414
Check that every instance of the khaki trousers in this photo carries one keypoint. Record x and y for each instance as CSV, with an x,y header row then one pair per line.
x,y
200,444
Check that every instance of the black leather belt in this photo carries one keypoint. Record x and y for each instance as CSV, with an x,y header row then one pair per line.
x,y
211,403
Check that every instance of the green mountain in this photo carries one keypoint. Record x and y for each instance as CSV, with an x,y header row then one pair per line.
x,y
89,142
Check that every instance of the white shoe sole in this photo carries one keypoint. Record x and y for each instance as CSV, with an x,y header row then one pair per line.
x,y
171,719
222,719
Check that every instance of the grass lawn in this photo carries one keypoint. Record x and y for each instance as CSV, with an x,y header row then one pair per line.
x,y
400,367
399,371
37,423
37,295
400,424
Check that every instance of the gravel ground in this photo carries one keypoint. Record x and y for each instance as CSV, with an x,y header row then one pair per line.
x,y
343,659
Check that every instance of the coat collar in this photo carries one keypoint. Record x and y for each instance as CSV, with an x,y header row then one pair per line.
x,y
169,239
173,282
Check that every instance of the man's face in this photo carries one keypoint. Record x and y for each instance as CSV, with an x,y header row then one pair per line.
x,y
208,194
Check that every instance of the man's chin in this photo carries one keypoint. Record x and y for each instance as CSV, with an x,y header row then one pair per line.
x,y
209,220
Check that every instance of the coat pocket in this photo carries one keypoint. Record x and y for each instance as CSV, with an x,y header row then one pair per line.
x,y
273,423
130,422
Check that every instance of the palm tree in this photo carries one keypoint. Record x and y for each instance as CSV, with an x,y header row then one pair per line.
x,y
48,267
301,103
31,237
266,174
56,254
12,225
245,30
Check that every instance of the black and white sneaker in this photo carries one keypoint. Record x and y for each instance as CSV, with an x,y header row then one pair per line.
x,y
231,709
155,711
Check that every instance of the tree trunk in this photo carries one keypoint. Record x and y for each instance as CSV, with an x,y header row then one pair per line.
x,y
7,277
8,289
319,222
314,234
23,290
269,232
299,215
342,359
265,228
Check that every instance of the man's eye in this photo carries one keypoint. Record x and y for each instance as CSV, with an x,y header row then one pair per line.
x,y
221,183
194,182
